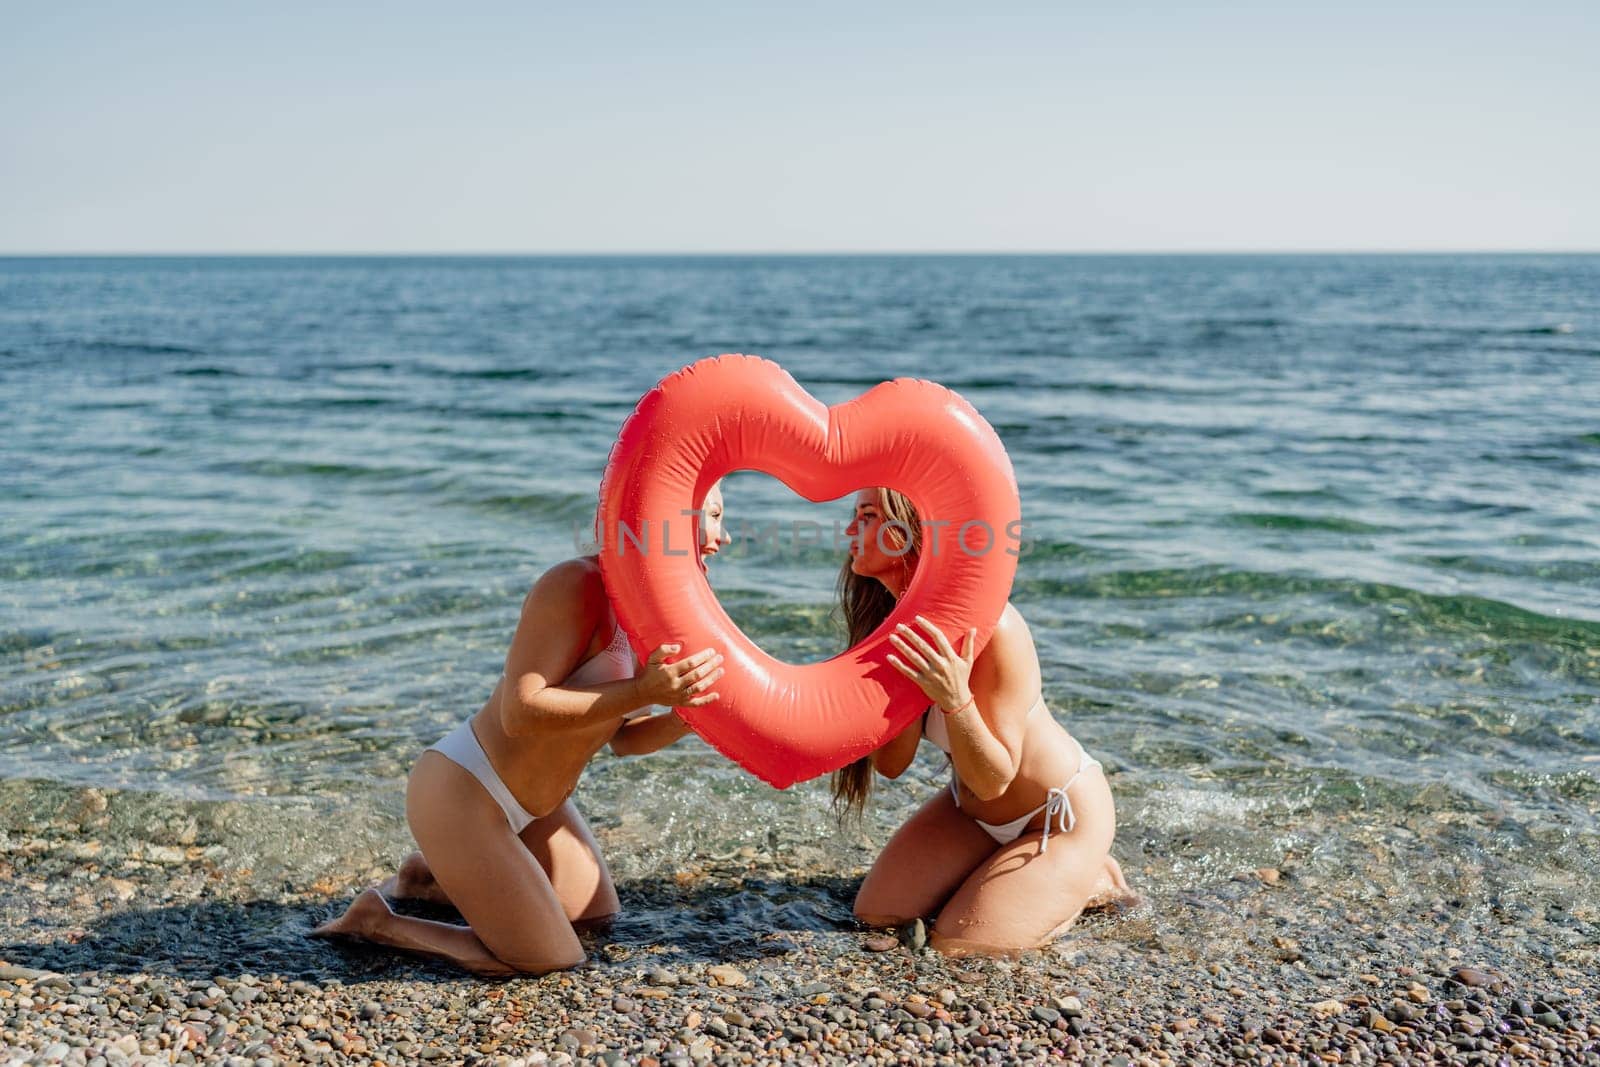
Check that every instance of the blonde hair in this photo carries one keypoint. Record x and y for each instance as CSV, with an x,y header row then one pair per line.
x,y
863,605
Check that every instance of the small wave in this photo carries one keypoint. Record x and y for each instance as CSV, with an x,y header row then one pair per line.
x,y
1177,808
1036,551
346,402
298,406
1271,520
1545,570
1518,344
1012,382
275,468
575,410
1559,329
1113,387
1446,613
494,374
1321,493
454,413
1029,383
863,382
207,372
296,561
109,405
1259,323
380,365
148,348
574,507
984,312
1555,459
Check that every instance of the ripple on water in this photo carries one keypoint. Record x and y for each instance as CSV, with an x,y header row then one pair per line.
x,y
1279,582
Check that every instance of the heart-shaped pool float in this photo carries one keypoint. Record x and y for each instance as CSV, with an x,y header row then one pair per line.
x,y
785,722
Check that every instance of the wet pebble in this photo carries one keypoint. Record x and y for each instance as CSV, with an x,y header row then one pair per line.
x,y
726,975
917,935
1359,989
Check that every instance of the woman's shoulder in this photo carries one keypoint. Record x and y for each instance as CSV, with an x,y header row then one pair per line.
x,y
576,580
1011,623
1011,634
1010,658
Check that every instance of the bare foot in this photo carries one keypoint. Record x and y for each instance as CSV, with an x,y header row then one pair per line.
x,y
1114,903
1111,891
359,919
414,882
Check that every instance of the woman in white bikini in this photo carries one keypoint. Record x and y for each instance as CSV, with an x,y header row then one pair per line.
x,y
490,805
1009,856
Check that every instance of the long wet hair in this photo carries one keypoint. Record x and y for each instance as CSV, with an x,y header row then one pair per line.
x,y
863,604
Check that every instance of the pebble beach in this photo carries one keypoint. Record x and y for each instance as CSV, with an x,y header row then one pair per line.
x,y
162,952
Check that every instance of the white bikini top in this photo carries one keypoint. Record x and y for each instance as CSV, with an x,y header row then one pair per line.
x,y
611,664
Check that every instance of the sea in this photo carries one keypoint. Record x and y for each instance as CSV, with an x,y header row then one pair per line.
x,y
1313,549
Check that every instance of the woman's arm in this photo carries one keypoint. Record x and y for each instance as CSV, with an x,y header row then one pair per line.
x,y
989,698
896,755
558,621
652,733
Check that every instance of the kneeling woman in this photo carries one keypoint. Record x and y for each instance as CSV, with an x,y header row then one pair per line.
x,y
490,805
1018,846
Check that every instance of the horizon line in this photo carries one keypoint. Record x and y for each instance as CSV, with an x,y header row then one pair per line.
x,y
793,254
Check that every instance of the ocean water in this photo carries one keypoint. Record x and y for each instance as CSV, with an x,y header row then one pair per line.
x,y
1314,567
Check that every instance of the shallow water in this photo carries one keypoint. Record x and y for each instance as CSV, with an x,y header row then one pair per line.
x,y
1314,570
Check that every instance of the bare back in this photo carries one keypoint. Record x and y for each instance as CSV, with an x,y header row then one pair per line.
x,y
542,767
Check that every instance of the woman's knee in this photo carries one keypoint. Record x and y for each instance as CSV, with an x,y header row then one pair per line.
x,y
877,908
529,944
599,911
559,958
879,920
970,943
564,847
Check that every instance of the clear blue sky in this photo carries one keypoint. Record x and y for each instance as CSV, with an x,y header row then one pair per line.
x,y
532,127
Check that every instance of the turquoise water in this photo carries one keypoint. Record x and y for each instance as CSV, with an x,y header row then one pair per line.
x,y
1316,562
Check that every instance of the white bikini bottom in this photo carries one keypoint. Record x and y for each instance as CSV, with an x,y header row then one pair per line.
x,y
460,746
1057,806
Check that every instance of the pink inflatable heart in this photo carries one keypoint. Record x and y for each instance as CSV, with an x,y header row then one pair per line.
x,y
783,722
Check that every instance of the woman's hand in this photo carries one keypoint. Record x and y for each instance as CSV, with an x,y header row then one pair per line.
x,y
944,674
682,683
